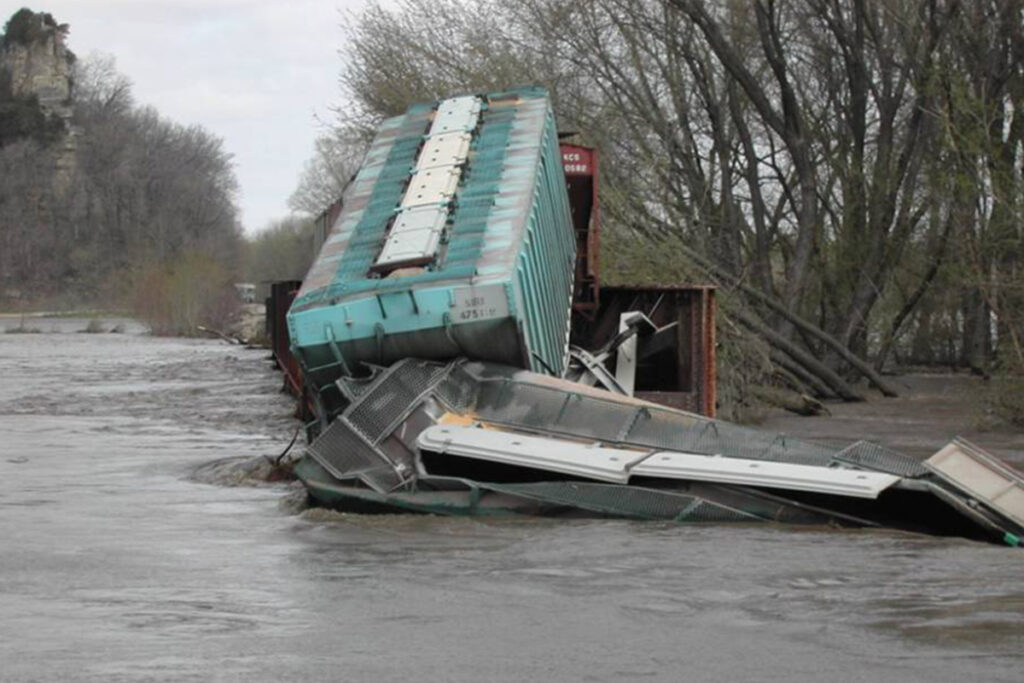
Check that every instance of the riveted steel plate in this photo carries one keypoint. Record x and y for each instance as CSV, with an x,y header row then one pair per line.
x,y
432,186
448,149
456,115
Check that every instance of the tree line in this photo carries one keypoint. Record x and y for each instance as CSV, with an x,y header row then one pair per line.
x,y
849,172
119,196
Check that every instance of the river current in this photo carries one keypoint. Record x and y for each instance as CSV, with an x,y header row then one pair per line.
x,y
120,561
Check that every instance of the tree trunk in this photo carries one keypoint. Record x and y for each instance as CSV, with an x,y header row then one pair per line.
x,y
805,359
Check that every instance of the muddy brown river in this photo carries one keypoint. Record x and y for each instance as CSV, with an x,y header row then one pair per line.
x,y
126,556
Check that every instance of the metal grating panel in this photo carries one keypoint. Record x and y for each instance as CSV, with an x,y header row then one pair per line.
x,y
456,115
625,501
708,511
527,405
522,405
670,430
342,452
351,387
392,397
458,390
448,149
871,456
604,420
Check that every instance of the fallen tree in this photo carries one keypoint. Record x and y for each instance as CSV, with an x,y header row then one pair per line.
x,y
820,378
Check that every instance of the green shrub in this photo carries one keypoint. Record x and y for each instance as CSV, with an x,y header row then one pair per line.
x,y
26,27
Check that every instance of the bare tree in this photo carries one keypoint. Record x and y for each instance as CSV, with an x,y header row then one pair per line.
x,y
141,189
283,250
335,161
840,167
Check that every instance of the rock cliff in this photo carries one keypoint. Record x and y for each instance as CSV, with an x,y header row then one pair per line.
x,y
40,64
37,70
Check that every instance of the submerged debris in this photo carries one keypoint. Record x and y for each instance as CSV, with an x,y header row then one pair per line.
x,y
254,471
474,438
457,241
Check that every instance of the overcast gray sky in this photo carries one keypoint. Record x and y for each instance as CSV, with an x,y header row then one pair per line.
x,y
254,72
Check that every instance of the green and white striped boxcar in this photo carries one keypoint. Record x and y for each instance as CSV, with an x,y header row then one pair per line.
x,y
455,240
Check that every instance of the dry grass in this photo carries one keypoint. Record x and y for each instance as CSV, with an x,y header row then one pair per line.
x,y
22,329
1004,398
176,298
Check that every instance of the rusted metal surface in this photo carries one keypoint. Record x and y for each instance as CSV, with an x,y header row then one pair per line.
x,y
709,376
690,371
281,296
673,399
581,176
323,224
677,372
683,376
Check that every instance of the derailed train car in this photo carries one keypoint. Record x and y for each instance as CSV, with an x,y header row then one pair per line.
x,y
433,337
473,438
455,240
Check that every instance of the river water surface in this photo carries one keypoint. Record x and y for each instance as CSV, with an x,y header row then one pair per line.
x,y
118,562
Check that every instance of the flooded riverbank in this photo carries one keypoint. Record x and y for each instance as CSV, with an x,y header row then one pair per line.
x,y
931,410
119,564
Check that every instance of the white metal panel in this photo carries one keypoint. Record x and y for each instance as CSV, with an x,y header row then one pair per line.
x,y
625,357
843,482
415,236
456,115
449,149
554,455
978,473
430,217
617,465
432,186
414,246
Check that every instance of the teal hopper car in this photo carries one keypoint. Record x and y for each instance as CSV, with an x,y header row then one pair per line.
x,y
455,240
